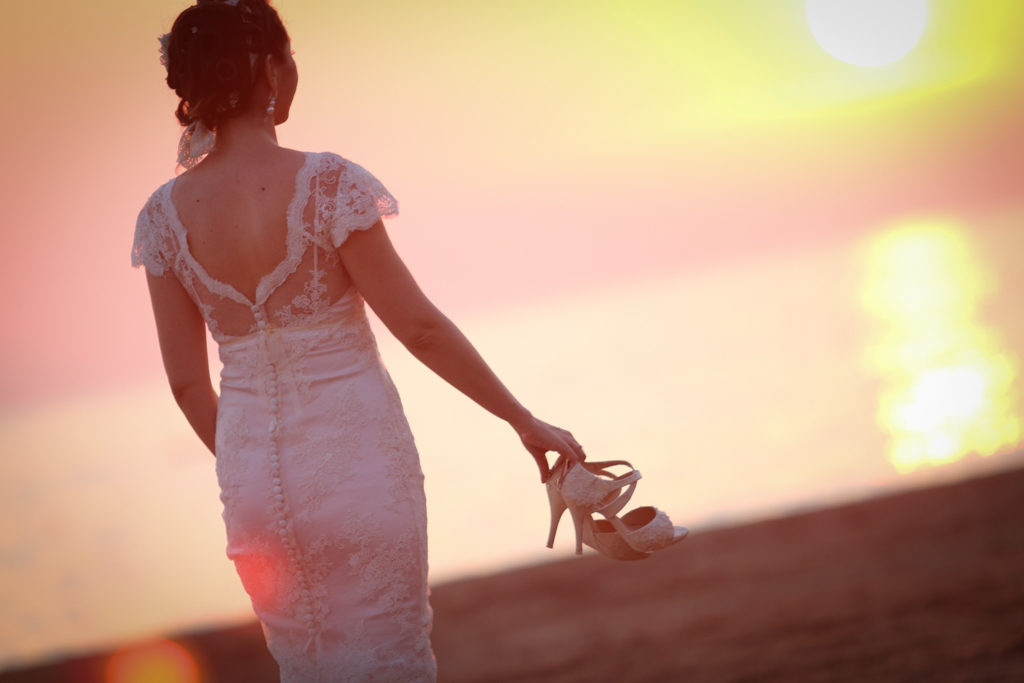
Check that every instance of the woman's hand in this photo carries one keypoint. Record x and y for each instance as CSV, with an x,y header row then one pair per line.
x,y
540,437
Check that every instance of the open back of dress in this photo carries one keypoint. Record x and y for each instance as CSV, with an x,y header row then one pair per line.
x,y
319,475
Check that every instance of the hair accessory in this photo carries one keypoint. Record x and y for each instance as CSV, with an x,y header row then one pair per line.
x,y
195,143
165,54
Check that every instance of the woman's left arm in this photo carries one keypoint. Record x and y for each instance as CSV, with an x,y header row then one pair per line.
x,y
182,333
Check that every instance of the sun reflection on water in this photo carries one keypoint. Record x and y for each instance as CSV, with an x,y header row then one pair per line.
x,y
947,382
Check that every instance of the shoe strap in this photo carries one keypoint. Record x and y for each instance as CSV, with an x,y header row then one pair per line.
x,y
605,464
601,467
613,508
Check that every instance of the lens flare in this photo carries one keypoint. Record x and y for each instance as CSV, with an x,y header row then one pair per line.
x,y
947,382
157,661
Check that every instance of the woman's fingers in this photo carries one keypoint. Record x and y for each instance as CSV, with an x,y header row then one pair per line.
x,y
544,438
575,450
558,462
574,445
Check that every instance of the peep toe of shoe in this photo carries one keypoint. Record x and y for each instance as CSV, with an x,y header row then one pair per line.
x,y
647,529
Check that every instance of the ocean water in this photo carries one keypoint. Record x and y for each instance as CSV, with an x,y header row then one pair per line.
x,y
777,383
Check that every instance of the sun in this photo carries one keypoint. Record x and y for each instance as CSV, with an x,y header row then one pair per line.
x,y
869,33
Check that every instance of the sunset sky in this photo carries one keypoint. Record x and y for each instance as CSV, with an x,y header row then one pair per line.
x,y
642,212
633,138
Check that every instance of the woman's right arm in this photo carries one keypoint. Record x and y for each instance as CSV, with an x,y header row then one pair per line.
x,y
389,288
182,335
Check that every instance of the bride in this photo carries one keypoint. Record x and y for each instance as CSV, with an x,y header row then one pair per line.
x,y
276,251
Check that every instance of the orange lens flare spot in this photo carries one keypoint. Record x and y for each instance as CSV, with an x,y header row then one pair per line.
x,y
260,577
157,661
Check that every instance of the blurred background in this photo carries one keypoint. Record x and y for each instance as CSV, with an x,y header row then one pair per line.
x,y
767,250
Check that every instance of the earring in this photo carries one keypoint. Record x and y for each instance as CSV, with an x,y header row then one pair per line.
x,y
269,118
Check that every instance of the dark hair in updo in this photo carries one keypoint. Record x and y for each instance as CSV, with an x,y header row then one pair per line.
x,y
214,54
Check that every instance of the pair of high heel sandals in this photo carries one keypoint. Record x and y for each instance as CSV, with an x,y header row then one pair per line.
x,y
591,487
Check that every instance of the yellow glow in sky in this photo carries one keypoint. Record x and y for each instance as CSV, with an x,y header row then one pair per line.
x,y
632,77
947,382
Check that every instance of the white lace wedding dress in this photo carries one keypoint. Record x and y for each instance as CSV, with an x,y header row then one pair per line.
x,y
320,479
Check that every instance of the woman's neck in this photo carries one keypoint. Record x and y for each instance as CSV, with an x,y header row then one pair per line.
x,y
245,135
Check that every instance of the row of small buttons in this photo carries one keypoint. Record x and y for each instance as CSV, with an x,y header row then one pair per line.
x,y
280,507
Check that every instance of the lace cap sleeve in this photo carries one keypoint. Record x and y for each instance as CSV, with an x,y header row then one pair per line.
x,y
153,246
352,199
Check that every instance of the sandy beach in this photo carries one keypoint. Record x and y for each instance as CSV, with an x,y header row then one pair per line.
x,y
925,585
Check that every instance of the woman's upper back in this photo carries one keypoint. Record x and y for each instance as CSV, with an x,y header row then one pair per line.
x,y
258,243
236,215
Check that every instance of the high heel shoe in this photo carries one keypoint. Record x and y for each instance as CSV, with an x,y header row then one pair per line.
x,y
590,487
646,529
585,488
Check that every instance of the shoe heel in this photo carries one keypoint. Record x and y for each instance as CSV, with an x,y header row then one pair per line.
x,y
577,515
558,507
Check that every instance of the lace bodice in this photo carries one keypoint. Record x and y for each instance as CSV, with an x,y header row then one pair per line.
x,y
332,198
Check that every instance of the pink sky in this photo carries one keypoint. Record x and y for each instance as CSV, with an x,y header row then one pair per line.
x,y
502,198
